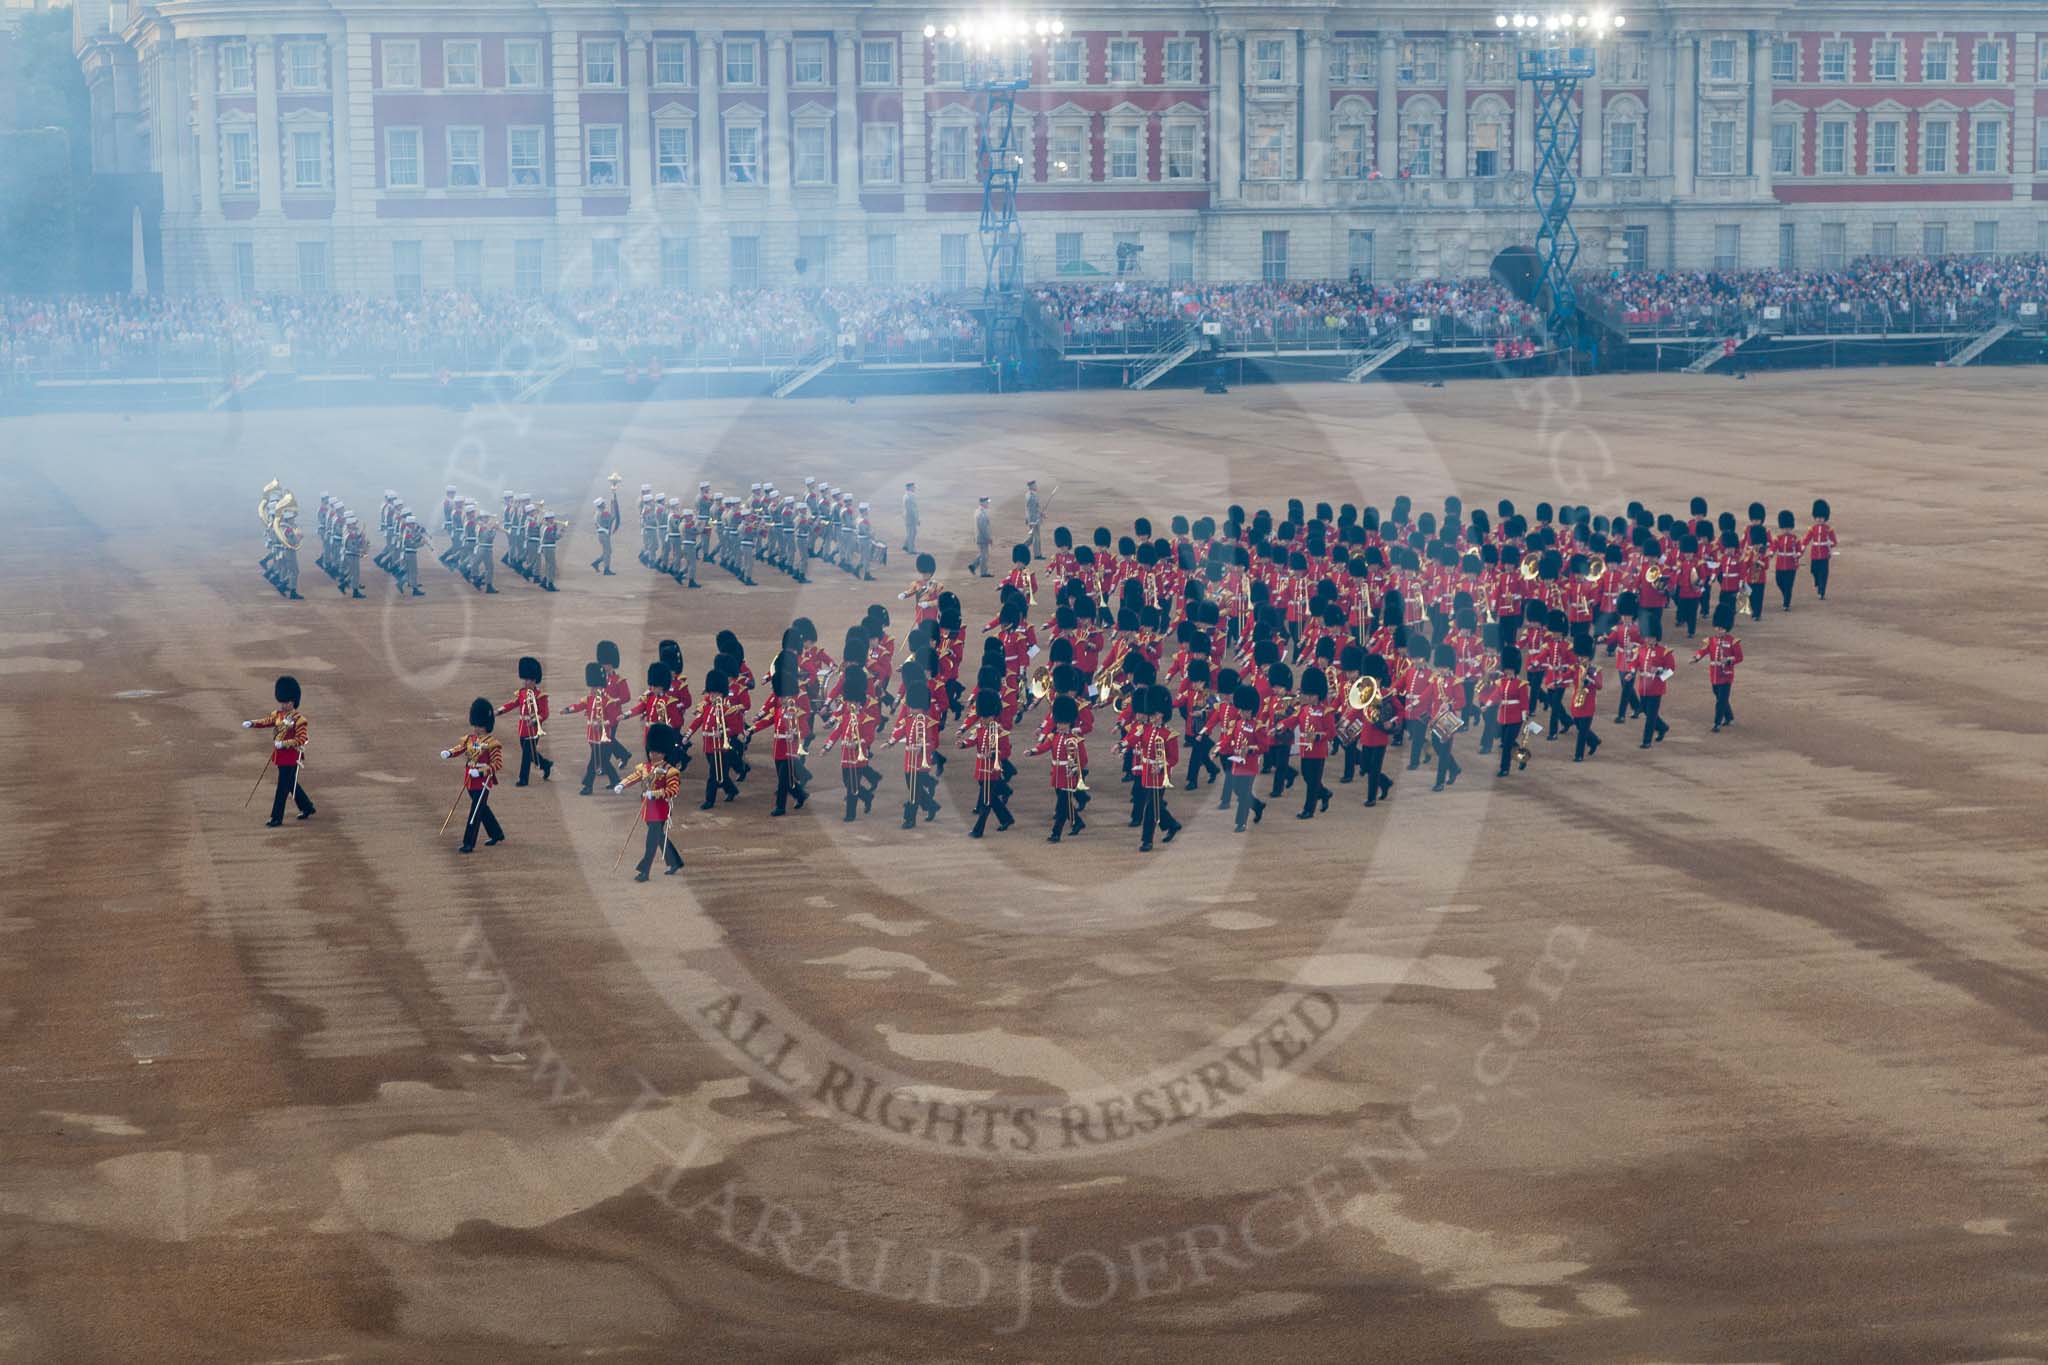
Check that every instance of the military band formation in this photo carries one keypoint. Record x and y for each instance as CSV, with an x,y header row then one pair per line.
x,y
1245,652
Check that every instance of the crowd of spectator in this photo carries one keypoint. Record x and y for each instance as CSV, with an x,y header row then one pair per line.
x,y
1124,314
776,326
1877,292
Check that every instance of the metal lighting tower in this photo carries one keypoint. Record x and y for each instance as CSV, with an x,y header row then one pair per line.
x,y
1556,53
995,65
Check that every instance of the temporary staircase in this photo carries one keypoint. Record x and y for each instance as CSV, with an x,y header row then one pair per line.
x,y
1364,369
1978,345
1165,356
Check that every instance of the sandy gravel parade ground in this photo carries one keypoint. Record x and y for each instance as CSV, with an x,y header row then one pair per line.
x,y
1730,1051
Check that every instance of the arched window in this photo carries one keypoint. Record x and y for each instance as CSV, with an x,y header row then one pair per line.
x,y
1622,135
1351,140
1422,138
1492,138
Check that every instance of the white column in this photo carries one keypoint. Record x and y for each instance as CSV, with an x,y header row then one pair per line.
x,y
1230,133
846,84
1590,96
2027,56
361,114
910,66
1457,134
1760,97
338,128
1315,140
209,133
1662,105
711,135
639,128
177,179
269,160
566,84
1684,126
777,134
1388,115
1525,125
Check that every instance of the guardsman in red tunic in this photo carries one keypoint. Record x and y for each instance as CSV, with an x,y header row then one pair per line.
x,y
287,749
986,735
1446,714
618,696
851,730
1819,542
917,730
1581,679
1653,662
923,592
1508,696
1756,567
1155,753
1242,746
785,718
1069,756
1022,577
713,724
660,783
1314,722
1723,652
483,758
1625,642
532,705
597,727
1786,548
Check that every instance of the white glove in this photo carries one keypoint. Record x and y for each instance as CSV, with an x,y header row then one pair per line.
x,y
248,725
618,788
476,772
277,744
447,753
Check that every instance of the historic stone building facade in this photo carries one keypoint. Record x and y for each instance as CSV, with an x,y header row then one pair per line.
x,y
537,144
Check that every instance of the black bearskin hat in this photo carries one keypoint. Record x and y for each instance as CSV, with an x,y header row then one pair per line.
x,y
1724,614
660,677
286,690
662,740
529,669
1020,554
1820,509
1314,684
482,715
1510,659
729,643
608,653
1062,537
1785,520
1065,711
1280,678
853,685
926,565
987,703
1445,657
716,684
593,675
917,694
785,677
670,653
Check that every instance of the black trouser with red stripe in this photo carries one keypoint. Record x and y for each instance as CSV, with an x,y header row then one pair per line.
x,y
600,761
289,789
659,845
480,817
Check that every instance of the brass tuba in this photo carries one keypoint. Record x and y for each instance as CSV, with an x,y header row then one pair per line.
x,y
1041,683
1532,564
